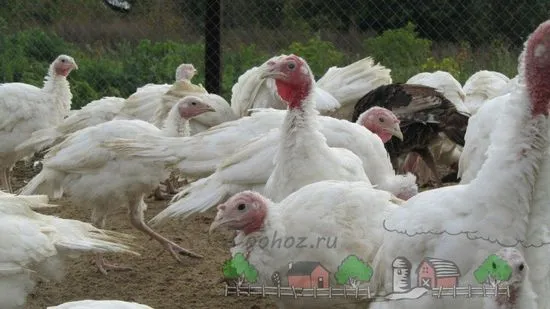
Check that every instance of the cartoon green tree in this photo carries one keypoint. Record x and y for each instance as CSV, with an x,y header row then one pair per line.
x,y
493,270
352,271
239,270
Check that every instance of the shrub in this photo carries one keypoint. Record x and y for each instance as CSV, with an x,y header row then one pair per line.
x,y
319,54
399,48
119,69
446,64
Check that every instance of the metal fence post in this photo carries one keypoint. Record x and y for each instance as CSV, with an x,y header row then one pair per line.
x,y
213,52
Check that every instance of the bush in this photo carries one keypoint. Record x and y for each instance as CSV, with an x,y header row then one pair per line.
x,y
400,48
319,54
120,69
446,64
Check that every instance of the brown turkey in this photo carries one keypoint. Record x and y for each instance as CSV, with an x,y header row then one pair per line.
x,y
423,113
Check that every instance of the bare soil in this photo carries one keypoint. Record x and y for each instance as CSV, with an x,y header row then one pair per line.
x,y
156,280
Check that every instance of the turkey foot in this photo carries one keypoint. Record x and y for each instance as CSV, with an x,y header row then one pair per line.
x,y
157,194
176,251
103,266
136,218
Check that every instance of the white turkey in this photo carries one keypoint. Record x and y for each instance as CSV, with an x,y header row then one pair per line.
x,y
466,223
93,113
479,137
478,133
509,85
336,219
200,155
100,304
182,88
482,86
142,103
34,246
537,246
445,83
518,271
26,108
334,93
118,5
301,155
99,179
35,201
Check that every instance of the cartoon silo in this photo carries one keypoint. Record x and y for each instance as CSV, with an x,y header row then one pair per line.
x,y
401,275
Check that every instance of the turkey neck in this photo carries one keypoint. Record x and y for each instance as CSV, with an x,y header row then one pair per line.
x,y
300,122
58,87
505,184
175,125
300,144
538,233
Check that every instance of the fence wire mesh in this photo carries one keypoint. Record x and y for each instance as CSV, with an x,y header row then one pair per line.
x,y
120,49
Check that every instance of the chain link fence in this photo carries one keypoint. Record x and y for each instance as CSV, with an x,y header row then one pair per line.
x,y
118,50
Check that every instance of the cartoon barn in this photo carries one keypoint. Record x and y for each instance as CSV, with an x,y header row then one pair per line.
x,y
401,275
435,273
308,275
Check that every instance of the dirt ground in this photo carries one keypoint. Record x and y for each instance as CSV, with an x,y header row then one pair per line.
x,y
156,280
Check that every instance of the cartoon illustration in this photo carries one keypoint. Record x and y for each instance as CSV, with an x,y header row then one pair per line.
x,y
494,270
401,275
308,275
352,271
435,273
276,278
434,277
240,270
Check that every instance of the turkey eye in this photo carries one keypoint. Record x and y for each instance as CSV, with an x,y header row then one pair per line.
x,y
381,119
194,103
241,207
62,60
291,65
521,266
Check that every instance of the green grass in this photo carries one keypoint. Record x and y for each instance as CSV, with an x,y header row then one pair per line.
x,y
118,68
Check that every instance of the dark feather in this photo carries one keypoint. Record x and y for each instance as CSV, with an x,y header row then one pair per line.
x,y
423,112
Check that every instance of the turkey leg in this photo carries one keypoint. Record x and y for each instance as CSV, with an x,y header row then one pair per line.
x,y
157,194
6,179
136,218
170,187
99,260
430,162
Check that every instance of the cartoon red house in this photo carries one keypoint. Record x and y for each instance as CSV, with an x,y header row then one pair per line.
x,y
307,275
435,273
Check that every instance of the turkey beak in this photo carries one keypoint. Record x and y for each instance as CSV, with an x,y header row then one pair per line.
x,y
272,72
218,221
209,108
75,66
396,131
